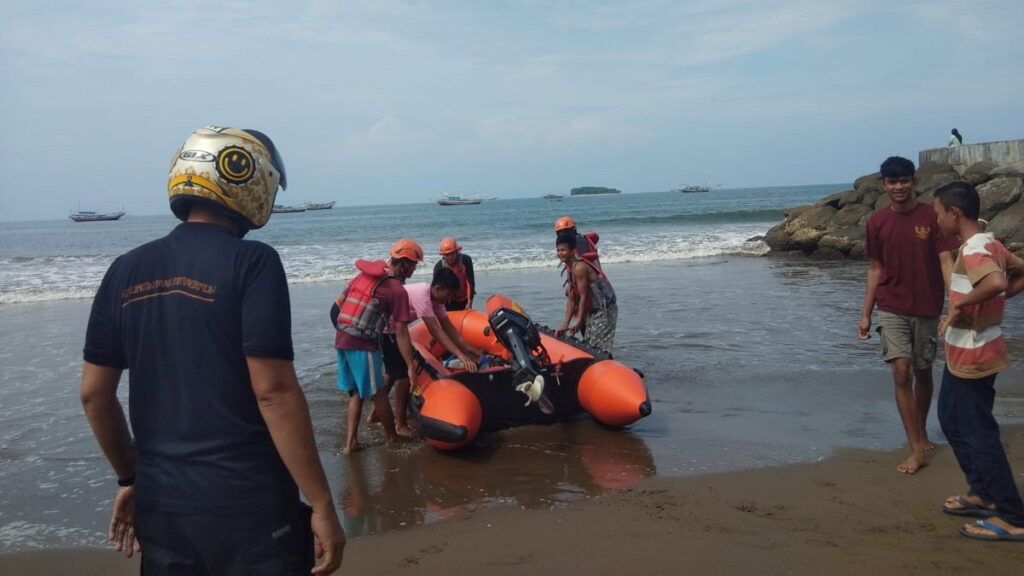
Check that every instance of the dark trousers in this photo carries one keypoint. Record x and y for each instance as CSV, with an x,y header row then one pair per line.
x,y
965,413
274,541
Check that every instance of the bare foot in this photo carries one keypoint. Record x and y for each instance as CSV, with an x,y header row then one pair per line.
x,y
350,448
372,417
403,431
928,445
911,465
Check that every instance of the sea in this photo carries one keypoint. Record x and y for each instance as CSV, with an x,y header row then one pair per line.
x,y
751,360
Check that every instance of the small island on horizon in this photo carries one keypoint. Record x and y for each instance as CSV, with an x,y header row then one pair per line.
x,y
593,191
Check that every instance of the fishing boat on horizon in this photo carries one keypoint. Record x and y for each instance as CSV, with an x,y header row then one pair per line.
x,y
318,205
691,188
90,216
455,200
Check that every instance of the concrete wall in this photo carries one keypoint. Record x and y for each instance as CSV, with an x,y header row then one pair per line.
x,y
998,153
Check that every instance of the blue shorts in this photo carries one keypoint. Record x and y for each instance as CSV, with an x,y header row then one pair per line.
x,y
360,371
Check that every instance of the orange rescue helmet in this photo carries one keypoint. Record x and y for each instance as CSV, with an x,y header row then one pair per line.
x,y
564,223
408,250
449,245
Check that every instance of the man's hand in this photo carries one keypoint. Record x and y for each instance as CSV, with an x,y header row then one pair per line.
x,y
864,327
467,361
329,540
122,522
953,315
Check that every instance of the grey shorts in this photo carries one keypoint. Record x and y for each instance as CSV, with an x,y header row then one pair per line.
x,y
913,337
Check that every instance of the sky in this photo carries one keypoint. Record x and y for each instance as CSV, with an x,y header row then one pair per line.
x,y
384,102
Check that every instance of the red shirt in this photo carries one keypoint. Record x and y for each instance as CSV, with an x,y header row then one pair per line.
x,y
908,245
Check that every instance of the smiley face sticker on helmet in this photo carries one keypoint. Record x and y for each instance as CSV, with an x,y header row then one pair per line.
x,y
235,165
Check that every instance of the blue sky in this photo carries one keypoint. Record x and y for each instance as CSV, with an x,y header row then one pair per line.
x,y
393,102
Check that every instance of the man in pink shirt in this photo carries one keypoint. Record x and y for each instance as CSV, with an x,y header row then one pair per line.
x,y
427,301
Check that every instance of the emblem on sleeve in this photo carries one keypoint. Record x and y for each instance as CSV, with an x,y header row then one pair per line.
x,y
235,165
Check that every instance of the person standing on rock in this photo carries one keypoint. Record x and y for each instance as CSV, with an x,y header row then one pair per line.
x,y
906,279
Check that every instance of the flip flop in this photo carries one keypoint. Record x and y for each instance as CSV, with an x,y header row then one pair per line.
x,y
999,534
967,508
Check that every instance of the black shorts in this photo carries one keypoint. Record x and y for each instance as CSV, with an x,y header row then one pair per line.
x,y
270,541
394,364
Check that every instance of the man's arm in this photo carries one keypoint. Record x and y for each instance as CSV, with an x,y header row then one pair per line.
x,y
991,285
405,348
98,392
444,332
106,417
471,278
570,311
1015,284
946,263
870,289
284,409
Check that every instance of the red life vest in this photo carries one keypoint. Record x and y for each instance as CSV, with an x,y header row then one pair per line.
x,y
356,311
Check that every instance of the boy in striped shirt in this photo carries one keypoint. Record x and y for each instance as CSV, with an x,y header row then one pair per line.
x,y
985,274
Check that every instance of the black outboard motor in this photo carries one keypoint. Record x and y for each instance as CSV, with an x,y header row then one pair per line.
x,y
518,334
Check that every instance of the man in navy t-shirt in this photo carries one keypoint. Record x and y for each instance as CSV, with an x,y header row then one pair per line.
x,y
221,441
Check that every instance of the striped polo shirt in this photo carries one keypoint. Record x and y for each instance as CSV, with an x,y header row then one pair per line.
x,y
974,346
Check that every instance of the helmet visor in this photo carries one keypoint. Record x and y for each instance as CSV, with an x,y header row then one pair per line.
x,y
275,158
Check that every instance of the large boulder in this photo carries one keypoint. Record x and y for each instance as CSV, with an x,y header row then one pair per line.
x,y
1008,225
1015,169
999,194
813,218
852,214
843,239
869,183
931,175
978,173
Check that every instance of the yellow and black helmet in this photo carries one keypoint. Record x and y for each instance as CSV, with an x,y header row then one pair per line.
x,y
236,170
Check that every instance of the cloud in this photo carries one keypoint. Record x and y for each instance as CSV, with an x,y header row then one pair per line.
x,y
526,132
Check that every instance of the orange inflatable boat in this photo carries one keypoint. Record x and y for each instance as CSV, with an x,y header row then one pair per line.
x,y
532,377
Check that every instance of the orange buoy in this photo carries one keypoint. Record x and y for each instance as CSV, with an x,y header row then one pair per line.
x,y
613,393
450,416
475,330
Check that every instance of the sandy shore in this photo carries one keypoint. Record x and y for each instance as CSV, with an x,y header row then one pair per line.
x,y
849,514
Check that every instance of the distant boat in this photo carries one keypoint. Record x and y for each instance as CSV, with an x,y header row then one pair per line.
x,y
552,196
453,200
689,188
282,209
87,216
318,206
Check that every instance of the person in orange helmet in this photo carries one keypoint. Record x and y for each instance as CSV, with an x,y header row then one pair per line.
x,y
370,302
586,244
462,265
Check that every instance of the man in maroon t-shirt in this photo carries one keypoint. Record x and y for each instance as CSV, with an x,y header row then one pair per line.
x,y
910,265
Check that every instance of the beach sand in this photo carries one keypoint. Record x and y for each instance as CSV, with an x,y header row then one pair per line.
x,y
849,514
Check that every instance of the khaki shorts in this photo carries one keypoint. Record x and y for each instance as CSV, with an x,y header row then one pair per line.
x,y
913,337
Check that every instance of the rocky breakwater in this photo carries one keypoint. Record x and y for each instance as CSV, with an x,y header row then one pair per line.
x,y
833,227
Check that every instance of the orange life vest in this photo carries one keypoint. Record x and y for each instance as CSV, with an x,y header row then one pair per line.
x,y
465,289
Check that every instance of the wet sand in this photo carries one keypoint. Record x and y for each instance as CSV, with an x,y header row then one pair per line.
x,y
849,514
